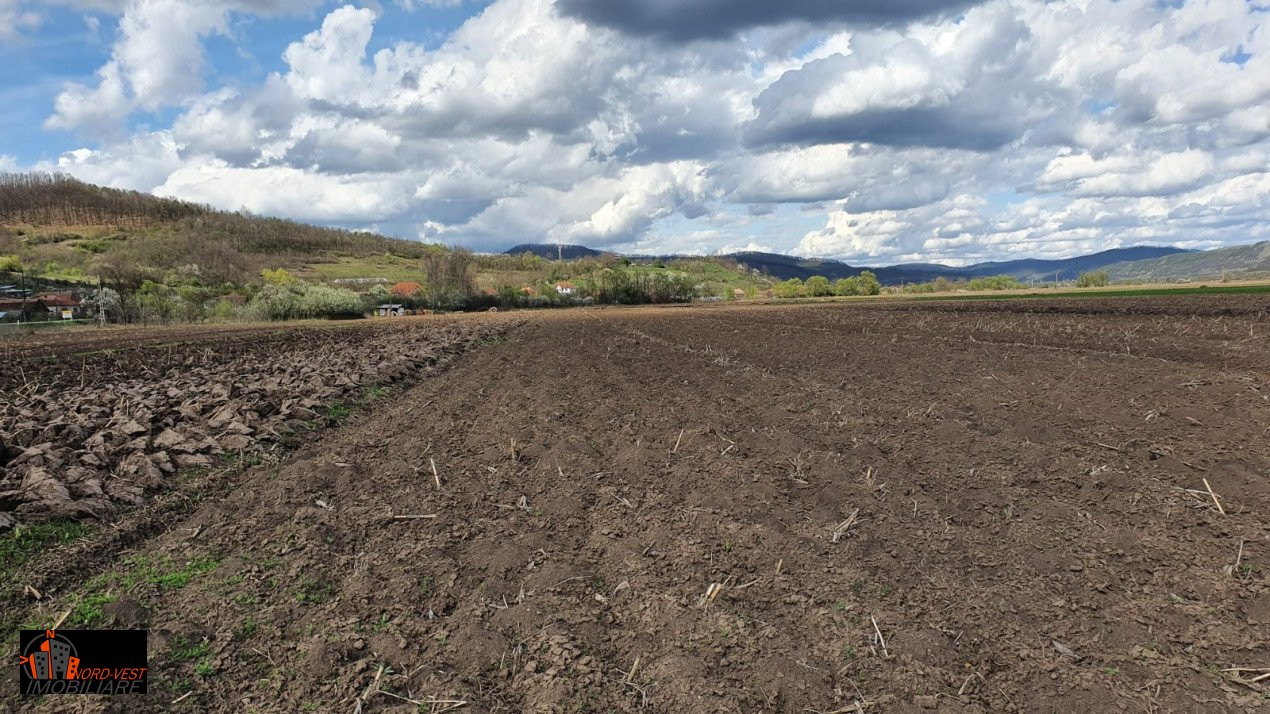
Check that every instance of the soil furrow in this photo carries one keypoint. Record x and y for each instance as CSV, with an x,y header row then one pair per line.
x,y
746,509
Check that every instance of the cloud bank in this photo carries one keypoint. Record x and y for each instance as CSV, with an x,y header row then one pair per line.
x,y
869,131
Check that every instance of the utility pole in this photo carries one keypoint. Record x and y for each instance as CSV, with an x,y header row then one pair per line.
x,y
101,304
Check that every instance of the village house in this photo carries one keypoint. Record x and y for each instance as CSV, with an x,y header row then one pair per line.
x,y
63,306
11,310
388,310
565,287
41,308
407,289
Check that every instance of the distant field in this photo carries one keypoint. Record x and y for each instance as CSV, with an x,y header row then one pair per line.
x,y
1126,291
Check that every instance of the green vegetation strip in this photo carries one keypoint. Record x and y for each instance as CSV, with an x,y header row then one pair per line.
x,y
140,575
1130,292
18,545
16,548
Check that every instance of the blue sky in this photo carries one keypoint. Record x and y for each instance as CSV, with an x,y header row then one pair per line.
x,y
70,44
921,131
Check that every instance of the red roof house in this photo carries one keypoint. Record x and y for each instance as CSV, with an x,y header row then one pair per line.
x,y
58,299
407,289
41,307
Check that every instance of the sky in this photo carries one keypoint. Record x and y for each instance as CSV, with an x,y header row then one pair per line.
x,y
872,131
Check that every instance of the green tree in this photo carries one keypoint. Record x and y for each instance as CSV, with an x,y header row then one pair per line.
x,y
995,282
846,286
10,263
869,284
1095,279
791,288
818,286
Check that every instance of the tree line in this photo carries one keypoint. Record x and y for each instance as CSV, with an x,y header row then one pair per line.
x,y
48,199
866,283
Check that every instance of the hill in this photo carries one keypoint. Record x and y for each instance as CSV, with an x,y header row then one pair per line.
x,y
785,267
553,251
1240,260
1068,268
62,228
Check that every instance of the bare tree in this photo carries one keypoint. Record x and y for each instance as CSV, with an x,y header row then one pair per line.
x,y
450,277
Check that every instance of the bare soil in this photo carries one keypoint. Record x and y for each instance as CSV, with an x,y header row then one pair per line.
x,y
893,507
85,427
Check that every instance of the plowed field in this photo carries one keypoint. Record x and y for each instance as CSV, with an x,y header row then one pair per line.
x,y
835,508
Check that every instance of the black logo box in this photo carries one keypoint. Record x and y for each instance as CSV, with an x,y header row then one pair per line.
x,y
97,650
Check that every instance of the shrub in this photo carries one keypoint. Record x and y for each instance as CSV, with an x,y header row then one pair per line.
x,y
302,301
225,309
278,277
1095,279
995,282
866,283
918,288
791,288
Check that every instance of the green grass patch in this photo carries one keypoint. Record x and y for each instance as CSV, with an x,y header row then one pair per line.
x,y
247,629
17,546
138,574
242,460
186,651
142,571
181,577
1127,292
88,611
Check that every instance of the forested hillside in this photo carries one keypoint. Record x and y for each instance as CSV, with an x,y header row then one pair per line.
x,y
63,228
52,200
1234,262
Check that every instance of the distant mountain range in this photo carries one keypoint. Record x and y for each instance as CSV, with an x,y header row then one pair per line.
x,y
1240,260
784,267
1027,269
